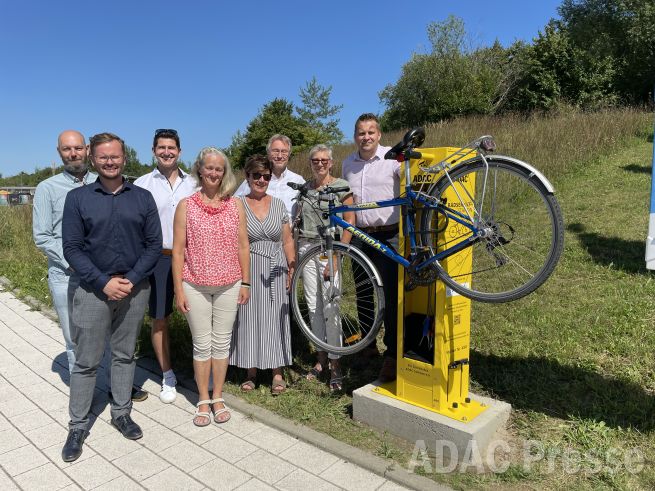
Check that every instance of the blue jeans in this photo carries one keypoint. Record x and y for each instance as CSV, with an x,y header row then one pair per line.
x,y
59,282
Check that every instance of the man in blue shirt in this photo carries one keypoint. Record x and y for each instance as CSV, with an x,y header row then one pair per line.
x,y
112,240
47,214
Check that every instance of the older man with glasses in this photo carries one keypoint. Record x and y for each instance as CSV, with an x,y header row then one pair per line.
x,y
112,239
168,184
278,151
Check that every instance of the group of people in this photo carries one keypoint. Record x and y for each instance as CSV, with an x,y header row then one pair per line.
x,y
224,255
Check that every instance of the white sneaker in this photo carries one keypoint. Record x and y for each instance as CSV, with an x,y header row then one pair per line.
x,y
167,394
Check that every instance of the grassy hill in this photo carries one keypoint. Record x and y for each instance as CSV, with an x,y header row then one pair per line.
x,y
575,359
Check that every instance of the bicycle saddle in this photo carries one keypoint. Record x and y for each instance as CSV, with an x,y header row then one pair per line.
x,y
412,139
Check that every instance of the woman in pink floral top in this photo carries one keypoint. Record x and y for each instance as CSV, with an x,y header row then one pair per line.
x,y
211,274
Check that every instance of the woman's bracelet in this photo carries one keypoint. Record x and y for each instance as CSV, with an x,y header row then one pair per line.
x,y
245,285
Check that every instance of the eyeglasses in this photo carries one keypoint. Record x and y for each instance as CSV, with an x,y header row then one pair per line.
x,y
103,159
320,161
256,176
165,130
279,152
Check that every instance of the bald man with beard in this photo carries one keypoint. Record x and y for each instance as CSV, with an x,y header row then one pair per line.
x,y
47,213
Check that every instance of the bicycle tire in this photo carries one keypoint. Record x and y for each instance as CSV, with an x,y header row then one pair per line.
x,y
357,282
524,224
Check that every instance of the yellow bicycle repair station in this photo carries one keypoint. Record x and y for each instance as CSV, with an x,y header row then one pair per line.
x,y
434,324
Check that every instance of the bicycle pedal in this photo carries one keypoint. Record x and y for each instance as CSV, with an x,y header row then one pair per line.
x,y
354,338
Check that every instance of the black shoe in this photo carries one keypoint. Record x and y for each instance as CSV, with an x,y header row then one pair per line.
x,y
388,370
138,395
73,446
128,428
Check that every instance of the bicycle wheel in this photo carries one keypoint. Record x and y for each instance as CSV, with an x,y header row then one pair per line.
x,y
344,316
521,230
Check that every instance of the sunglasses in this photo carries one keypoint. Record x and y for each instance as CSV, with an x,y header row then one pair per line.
x,y
165,130
258,175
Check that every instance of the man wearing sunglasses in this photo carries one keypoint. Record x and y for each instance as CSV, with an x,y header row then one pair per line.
x,y
278,151
168,184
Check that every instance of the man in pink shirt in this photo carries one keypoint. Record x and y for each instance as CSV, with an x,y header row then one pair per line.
x,y
372,178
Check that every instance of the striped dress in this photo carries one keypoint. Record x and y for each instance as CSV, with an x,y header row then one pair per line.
x,y
262,335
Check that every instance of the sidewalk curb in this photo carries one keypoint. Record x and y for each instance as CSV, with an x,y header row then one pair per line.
x,y
384,468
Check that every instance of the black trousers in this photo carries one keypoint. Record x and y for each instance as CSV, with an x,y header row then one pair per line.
x,y
389,272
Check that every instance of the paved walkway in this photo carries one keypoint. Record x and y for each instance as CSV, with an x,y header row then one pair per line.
x,y
243,454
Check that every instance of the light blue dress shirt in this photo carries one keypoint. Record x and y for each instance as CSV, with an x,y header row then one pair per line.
x,y
48,211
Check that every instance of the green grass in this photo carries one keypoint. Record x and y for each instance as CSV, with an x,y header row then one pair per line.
x,y
574,359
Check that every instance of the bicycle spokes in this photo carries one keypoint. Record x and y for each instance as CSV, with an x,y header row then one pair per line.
x,y
339,314
515,233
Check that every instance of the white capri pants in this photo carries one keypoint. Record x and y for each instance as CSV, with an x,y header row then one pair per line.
x,y
212,310
314,285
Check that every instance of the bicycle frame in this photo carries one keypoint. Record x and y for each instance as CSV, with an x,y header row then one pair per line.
x,y
408,201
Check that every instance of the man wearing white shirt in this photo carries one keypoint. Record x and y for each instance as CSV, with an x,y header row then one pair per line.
x,y
373,178
168,184
278,150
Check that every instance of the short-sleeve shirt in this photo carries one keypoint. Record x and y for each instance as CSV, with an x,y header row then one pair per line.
x,y
311,217
374,179
167,197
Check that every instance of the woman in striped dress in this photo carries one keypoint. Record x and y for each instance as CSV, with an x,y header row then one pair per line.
x,y
262,337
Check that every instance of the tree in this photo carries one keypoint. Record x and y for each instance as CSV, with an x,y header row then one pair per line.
x,y
319,114
553,70
275,117
451,80
133,166
621,32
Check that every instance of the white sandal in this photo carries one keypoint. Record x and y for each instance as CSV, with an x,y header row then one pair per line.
x,y
223,410
203,414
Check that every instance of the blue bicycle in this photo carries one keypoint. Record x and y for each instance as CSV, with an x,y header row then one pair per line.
x,y
489,227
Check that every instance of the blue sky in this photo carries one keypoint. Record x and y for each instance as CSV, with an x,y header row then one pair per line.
x,y
207,67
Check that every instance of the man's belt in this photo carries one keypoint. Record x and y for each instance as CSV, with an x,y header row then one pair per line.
x,y
167,252
381,228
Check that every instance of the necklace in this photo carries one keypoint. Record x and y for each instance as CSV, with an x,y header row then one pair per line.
x,y
329,181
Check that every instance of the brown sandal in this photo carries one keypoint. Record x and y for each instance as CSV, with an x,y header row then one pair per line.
x,y
248,386
278,387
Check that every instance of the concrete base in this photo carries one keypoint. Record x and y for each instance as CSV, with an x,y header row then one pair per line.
x,y
436,431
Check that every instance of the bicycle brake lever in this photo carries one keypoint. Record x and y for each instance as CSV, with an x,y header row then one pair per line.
x,y
301,188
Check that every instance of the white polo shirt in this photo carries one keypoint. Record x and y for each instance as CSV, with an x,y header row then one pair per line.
x,y
167,197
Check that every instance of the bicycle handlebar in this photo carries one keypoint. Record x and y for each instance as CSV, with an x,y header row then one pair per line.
x,y
303,188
